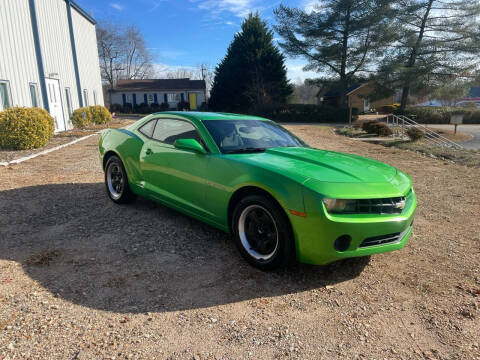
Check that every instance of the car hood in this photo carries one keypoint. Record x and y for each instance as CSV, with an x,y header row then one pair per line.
x,y
308,163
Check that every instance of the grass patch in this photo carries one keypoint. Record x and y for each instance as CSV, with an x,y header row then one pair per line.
x,y
43,258
459,156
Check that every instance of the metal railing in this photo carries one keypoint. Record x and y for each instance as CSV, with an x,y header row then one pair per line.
x,y
401,123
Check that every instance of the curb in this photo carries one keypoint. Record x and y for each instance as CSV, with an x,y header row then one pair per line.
x,y
25,158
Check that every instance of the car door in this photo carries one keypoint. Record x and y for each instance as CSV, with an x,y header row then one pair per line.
x,y
171,174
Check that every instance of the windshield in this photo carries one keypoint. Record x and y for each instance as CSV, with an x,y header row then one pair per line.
x,y
236,136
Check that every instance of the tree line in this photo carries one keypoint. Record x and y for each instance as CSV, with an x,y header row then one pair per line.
x,y
412,45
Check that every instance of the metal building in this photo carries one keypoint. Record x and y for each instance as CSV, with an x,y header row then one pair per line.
x,y
48,57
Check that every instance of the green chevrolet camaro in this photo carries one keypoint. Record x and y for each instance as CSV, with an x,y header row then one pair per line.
x,y
279,198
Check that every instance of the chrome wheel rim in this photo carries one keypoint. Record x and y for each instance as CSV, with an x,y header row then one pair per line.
x,y
115,180
258,232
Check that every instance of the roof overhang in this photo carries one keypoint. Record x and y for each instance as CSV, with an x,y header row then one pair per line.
x,y
81,11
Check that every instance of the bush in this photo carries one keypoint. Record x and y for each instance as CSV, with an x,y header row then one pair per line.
x,y
91,115
142,108
127,108
307,113
440,115
415,133
116,108
164,106
368,125
154,107
183,105
25,128
382,129
376,127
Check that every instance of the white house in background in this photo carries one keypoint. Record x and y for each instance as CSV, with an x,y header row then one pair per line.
x,y
158,91
48,57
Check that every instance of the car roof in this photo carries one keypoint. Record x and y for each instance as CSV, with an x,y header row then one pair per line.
x,y
200,115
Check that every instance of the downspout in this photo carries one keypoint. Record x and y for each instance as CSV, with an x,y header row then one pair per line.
x,y
74,52
38,53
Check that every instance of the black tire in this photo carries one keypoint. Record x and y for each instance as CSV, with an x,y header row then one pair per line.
x,y
265,252
119,193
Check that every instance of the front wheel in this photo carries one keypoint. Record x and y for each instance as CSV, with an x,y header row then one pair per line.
x,y
262,232
116,181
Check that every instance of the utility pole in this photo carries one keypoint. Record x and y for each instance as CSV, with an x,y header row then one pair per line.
x,y
203,70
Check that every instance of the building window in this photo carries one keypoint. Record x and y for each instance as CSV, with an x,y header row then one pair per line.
x,y
33,94
4,95
173,97
150,98
68,97
95,98
85,97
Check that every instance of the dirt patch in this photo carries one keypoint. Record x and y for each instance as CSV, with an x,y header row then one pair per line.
x,y
143,281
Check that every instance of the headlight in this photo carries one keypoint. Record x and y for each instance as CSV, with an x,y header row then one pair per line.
x,y
340,205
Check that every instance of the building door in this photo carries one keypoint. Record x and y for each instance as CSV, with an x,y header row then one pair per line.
x,y
193,101
55,103
366,105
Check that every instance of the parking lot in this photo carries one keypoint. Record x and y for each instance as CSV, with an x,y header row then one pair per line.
x,y
83,278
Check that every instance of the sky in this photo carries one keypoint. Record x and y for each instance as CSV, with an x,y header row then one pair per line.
x,y
187,33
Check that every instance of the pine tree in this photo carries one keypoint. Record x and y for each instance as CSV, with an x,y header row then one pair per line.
x,y
252,76
437,41
344,38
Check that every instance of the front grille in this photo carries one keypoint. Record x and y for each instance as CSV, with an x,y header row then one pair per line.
x,y
385,239
393,205
382,239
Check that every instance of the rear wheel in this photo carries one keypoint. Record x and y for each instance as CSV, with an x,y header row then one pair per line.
x,y
116,181
262,232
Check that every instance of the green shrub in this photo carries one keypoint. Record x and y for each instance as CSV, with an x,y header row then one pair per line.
x,y
115,108
469,105
387,109
376,127
368,126
127,108
440,115
142,108
415,133
183,105
25,128
307,113
154,107
164,106
382,129
91,115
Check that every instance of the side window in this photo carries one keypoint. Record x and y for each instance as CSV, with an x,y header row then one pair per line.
x,y
4,95
147,129
169,130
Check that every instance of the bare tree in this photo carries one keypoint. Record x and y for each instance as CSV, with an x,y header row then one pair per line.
x,y
123,54
138,60
110,49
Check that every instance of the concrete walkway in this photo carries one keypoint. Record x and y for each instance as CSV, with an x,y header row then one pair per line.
x,y
474,130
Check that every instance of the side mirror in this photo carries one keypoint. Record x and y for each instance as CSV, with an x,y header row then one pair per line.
x,y
189,144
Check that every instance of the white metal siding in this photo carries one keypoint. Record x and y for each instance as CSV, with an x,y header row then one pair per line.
x,y
18,62
87,55
56,50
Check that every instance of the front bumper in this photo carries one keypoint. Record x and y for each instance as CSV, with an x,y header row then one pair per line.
x,y
316,233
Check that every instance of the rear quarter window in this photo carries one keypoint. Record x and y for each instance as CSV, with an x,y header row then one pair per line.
x,y
148,128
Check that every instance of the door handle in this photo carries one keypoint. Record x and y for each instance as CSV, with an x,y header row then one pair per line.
x,y
149,152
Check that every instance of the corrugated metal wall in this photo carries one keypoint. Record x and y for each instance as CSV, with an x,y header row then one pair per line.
x,y
56,50
87,55
18,62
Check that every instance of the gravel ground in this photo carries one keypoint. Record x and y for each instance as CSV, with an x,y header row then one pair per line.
x,y
83,278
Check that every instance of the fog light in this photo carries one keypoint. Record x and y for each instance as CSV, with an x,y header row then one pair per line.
x,y
342,243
